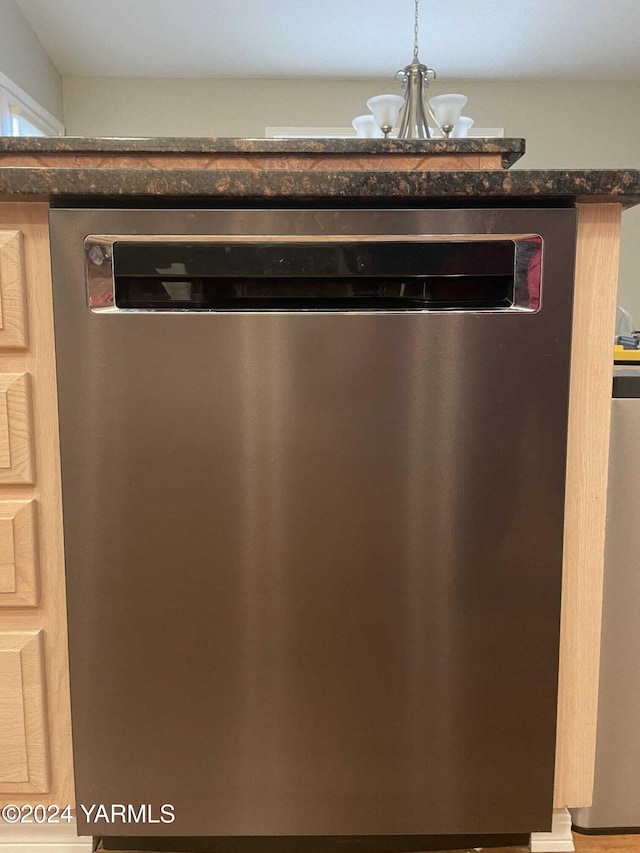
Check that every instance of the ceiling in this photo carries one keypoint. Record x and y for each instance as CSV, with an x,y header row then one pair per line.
x,y
499,39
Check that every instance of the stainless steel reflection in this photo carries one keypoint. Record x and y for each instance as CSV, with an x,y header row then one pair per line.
x,y
314,560
98,251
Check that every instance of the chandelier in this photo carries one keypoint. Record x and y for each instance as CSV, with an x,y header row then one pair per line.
x,y
411,113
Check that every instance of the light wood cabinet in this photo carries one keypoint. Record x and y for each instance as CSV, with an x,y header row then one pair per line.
x,y
18,554
35,730
594,312
13,312
23,718
16,431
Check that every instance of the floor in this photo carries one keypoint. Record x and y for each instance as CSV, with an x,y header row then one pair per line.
x,y
596,843
591,844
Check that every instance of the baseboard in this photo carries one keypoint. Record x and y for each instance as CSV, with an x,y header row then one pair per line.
x,y
559,840
43,838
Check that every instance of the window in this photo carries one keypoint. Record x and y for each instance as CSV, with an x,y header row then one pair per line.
x,y
20,115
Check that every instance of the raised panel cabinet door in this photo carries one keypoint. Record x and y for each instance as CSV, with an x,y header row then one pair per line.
x,y
24,768
18,554
16,429
13,315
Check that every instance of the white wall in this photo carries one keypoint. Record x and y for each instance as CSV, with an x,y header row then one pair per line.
x,y
210,107
24,60
566,125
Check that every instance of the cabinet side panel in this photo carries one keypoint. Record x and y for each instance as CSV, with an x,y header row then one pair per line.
x,y
596,285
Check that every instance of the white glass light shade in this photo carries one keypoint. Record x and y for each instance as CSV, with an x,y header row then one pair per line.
x,y
462,127
447,108
366,127
385,109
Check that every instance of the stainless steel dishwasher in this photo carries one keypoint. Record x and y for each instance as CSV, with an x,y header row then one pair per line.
x,y
313,479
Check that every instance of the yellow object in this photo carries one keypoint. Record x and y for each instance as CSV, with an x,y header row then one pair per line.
x,y
622,354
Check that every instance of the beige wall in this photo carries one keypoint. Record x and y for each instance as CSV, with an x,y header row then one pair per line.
x,y
24,60
216,107
566,125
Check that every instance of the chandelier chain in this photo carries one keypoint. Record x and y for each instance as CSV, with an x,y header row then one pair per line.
x,y
415,32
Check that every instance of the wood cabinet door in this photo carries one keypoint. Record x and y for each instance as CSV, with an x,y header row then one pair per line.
x,y
23,723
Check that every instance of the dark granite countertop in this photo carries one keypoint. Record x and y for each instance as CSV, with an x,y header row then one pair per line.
x,y
553,186
511,149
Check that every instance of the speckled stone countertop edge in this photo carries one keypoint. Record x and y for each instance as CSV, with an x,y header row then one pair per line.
x,y
237,145
619,185
510,149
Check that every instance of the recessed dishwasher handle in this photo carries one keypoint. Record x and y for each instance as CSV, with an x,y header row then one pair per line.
x,y
333,275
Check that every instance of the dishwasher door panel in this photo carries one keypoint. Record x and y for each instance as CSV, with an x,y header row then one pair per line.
x,y
314,560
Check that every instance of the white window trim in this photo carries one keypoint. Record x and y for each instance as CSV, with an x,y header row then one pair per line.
x,y
349,133
11,95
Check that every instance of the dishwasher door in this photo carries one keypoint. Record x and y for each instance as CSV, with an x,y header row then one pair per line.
x,y
313,551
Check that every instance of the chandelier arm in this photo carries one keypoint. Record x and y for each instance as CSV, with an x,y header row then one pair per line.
x,y
431,113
